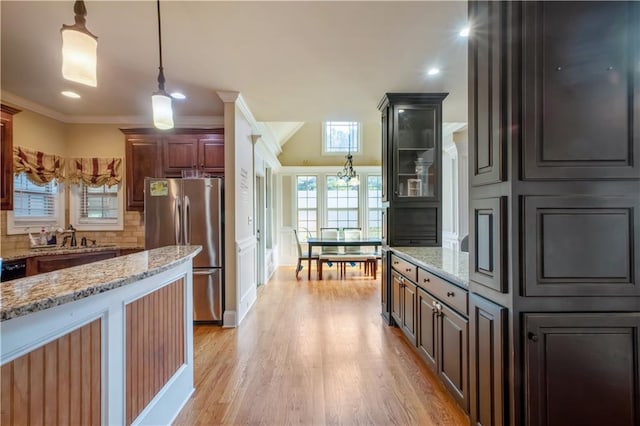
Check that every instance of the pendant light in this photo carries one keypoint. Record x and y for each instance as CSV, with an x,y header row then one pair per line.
x,y
79,49
160,100
348,175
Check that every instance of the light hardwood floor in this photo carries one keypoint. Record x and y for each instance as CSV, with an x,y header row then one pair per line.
x,y
314,353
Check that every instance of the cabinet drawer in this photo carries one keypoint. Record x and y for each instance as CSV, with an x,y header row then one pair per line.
x,y
450,294
405,268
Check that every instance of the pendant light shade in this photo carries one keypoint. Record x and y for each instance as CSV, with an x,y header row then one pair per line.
x,y
162,111
160,100
79,49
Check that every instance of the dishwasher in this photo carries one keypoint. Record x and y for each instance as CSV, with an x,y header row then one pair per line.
x,y
13,269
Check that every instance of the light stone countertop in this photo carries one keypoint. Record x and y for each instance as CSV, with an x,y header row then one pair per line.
x,y
451,265
32,294
13,254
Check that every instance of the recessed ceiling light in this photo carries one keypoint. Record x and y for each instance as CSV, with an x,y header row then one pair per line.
x,y
178,95
400,110
465,32
433,71
70,94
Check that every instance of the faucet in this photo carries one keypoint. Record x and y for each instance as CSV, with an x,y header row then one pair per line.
x,y
72,230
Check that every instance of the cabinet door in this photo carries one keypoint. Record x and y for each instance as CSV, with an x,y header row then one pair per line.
x,y
396,297
143,160
211,153
582,369
453,363
409,299
581,85
427,324
416,152
180,153
487,368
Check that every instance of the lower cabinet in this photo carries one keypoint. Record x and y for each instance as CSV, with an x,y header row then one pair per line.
x,y
582,369
403,306
487,368
442,343
439,333
49,263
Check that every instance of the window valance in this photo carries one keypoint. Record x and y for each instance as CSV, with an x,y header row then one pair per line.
x,y
40,168
95,171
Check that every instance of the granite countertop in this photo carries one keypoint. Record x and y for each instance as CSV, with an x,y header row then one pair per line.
x,y
39,292
446,263
12,254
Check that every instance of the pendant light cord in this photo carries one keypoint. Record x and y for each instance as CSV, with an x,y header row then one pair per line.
x,y
161,73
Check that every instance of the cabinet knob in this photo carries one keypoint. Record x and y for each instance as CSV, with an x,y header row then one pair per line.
x,y
395,262
408,269
427,280
533,337
450,294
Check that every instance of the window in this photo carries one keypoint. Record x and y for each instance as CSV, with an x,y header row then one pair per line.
x,y
342,204
96,208
341,137
374,205
307,198
34,206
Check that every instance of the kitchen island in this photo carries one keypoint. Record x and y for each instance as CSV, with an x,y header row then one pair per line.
x,y
110,342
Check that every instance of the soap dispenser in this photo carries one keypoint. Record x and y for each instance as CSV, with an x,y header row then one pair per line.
x,y
43,237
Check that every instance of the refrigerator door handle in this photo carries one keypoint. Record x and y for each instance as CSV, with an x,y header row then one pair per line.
x,y
210,272
178,220
187,220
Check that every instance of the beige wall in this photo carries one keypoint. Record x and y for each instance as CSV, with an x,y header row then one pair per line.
x,y
35,131
305,148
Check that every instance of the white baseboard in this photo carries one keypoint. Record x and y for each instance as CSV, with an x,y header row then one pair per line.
x,y
229,319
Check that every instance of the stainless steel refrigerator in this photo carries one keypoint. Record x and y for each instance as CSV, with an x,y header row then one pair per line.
x,y
190,211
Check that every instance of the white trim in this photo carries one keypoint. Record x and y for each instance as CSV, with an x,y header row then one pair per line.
x,y
229,319
22,226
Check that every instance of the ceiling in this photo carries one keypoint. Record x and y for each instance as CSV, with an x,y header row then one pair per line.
x,y
291,61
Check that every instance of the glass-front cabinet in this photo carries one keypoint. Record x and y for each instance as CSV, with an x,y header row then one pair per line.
x,y
416,153
411,167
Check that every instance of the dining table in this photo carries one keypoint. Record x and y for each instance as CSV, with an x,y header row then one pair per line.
x,y
319,242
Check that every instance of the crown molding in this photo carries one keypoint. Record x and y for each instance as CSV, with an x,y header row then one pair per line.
x,y
122,120
452,127
228,96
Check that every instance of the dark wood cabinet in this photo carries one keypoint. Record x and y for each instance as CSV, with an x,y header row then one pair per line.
x,y
443,343
427,328
6,153
453,364
403,307
411,167
150,153
555,201
582,369
202,152
49,263
487,346
426,313
143,159
211,153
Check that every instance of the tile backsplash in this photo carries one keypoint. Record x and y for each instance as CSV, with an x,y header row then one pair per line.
x,y
132,235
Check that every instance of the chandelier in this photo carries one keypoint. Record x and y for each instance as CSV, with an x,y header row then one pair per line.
x,y
348,176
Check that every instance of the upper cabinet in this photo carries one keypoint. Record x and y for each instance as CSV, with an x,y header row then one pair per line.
x,y
411,168
204,152
153,154
412,131
6,162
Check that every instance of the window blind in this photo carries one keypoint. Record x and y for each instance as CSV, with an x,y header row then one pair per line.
x,y
98,203
34,202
